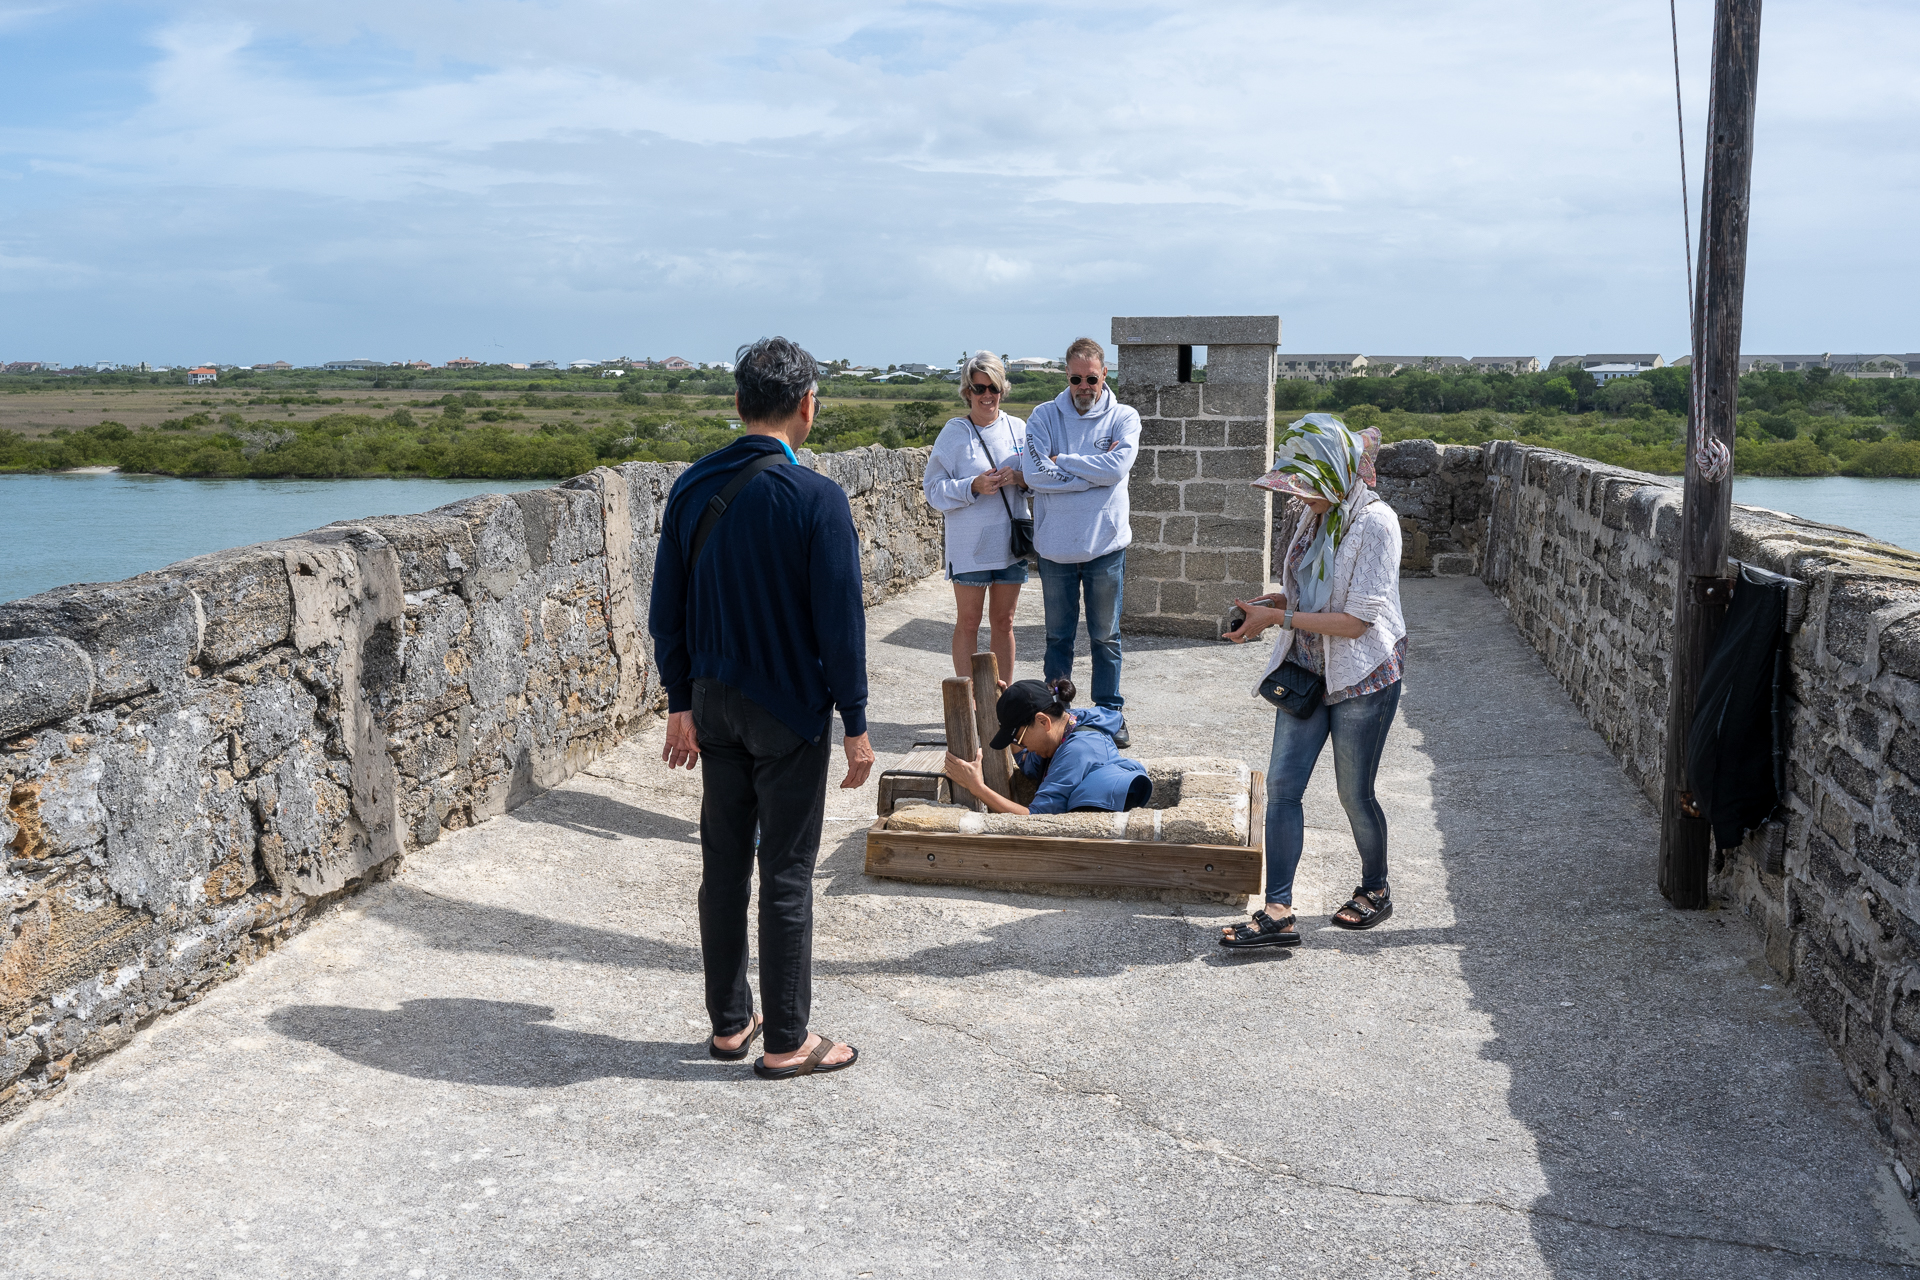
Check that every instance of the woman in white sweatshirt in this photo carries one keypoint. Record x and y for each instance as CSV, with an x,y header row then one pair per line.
x,y
974,480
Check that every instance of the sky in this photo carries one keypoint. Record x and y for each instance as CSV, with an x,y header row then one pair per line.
x,y
246,181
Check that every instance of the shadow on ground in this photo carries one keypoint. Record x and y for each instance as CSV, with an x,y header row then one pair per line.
x,y
487,1042
1644,1053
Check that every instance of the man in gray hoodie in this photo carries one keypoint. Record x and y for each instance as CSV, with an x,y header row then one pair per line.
x,y
1080,449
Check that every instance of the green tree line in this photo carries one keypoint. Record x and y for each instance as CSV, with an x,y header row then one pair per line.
x,y
1790,424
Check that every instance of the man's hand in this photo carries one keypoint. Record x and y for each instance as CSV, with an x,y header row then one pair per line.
x,y
683,744
966,772
859,761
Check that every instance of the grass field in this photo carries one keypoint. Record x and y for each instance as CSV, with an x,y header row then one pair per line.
x,y
553,431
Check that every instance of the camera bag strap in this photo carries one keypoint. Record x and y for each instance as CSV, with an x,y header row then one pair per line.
x,y
717,505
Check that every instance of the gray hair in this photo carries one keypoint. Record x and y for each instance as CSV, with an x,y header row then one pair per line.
x,y
987,363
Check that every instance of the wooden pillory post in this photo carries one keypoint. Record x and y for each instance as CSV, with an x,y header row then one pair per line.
x,y
1703,587
996,767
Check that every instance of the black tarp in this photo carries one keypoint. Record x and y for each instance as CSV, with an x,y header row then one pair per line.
x,y
1730,746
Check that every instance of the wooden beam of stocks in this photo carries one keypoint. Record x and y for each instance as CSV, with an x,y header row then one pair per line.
x,y
1700,588
997,766
963,733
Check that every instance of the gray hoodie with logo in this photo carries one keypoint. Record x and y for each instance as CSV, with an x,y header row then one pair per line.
x,y
1076,467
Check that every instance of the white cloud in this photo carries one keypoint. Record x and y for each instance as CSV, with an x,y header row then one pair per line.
x,y
1384,174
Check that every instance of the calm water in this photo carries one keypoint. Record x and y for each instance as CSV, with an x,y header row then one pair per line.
x,y
1885,509
56,529
59,529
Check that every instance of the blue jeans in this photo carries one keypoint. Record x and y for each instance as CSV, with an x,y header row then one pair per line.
x,y
1060,587
1359,728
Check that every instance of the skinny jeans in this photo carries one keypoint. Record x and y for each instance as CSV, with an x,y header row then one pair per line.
x,y
1103,581
756,772
1358,727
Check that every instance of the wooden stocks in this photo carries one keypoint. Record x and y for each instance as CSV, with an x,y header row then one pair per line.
x,y
995,766
963,734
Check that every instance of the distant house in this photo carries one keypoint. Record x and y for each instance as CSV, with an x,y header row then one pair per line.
x,y
543,364
26,366
463,362
1320,368
583,364
1856,365
675,362
354,364
1506,364
1640,362
1032,364
1605,373
613,373
858,371
275,367
1389,365
417,364
202,375
515,366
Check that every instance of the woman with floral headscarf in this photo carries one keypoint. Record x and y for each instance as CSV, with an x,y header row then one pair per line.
x,y
1335,668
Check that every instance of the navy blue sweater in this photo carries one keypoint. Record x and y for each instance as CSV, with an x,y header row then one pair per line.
x,y
774,607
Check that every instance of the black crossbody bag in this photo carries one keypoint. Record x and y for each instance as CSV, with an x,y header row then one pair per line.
x,y
1022,544
1294,689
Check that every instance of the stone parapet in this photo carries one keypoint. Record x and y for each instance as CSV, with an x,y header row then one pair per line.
x,y
1584,556
1439,491
193,761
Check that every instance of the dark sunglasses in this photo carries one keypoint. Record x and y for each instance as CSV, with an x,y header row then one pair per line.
x,y
1092,379
983,389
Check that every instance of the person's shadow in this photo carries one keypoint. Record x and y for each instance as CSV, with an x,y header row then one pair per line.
x,y
490,1042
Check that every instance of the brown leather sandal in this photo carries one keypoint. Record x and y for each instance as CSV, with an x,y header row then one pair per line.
x,y
815,1065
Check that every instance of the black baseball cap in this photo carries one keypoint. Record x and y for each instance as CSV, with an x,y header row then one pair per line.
x,y
1023,700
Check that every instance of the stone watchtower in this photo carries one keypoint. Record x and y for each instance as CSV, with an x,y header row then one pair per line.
x,y
1202,536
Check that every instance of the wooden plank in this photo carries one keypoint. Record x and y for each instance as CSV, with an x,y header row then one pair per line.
x,y
963,735
1712,406
1137,864
901,781
995,766
1257,812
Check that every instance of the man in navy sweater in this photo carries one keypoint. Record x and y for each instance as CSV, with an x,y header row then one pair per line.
x,y
758,642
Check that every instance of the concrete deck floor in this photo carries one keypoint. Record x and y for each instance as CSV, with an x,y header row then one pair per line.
x,y
493,1065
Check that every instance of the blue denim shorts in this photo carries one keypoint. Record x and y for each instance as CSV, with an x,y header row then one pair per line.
x,y
1015,572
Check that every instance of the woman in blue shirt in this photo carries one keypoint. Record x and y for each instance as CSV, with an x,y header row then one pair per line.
x,y
1072,753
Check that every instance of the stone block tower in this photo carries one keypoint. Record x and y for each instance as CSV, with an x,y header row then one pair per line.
x,y
1202,535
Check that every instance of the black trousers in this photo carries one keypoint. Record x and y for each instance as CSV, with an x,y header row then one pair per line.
x,y
756,770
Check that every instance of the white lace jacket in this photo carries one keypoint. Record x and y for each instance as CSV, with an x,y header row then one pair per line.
x,y
1366,584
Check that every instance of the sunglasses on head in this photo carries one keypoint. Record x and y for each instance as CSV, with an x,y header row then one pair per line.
x,y
1092,379
983,389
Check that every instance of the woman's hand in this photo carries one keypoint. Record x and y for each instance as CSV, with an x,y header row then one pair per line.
x,y
1259,618
967,772
995,480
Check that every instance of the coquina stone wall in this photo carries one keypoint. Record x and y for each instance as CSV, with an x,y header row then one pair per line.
x,y
1584,556
195,760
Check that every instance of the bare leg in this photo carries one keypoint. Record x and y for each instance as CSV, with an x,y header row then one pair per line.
x,y
1003,597
968,602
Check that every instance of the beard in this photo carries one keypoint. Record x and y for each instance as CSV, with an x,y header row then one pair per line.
x,y
1083,400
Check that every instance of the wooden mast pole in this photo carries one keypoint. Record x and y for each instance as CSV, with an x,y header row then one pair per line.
x,y
1702,588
